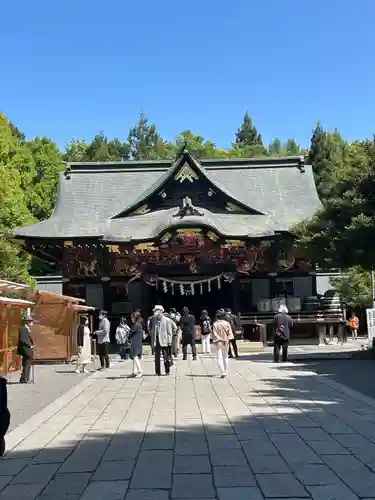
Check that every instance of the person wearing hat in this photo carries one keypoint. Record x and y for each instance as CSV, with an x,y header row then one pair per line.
x,y
161,338
26,348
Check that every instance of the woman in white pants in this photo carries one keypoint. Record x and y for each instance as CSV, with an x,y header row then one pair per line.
x,y
206,329
221,336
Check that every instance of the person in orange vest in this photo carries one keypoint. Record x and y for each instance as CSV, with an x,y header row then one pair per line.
x,y
354,325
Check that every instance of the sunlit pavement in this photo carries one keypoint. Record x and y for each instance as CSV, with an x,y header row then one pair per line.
x,y
266,431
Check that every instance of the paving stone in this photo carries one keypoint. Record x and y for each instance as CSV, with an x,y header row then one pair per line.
x,y
332,492
233,476
12,466
229,457
114,471
153,470
162,442
255,447
192,464
294,449
52,455
361,481
147,495
120,452
313,434
65,487
267,464
195,446
314,474
4,480
189,486
342,464
21,491
239,494
107,490
329,447
36,474
280,486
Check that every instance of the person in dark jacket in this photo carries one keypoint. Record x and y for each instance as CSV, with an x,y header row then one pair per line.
x,y
282,324
136,337
26,349
187,325
4,414
233,321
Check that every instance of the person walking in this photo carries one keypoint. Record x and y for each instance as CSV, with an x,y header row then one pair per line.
x,y
161,339
136,338
103,340
26,349
222,334
175,317
83,345
233,321
206,329
122,339
282,324
187,324
149,328
354,325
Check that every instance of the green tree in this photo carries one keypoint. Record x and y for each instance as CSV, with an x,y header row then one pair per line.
x,y
292,148
247,134
341,235
42,188
76,150
144,141
275,148
354,287
197,146
13,203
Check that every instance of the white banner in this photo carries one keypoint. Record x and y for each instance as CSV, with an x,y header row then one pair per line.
x,y
370,316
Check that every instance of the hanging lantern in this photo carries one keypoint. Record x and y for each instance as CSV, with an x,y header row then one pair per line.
x,y
182,290
192,288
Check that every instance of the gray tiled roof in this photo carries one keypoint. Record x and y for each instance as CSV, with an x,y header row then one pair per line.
x,y
91,194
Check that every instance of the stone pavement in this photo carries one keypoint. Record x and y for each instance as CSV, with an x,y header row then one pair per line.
x,y
51,382
266,432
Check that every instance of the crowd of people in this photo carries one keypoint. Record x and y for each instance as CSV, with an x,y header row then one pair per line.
x,y
168,332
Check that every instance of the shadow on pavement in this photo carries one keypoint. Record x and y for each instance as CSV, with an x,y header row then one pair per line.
x,y
244,437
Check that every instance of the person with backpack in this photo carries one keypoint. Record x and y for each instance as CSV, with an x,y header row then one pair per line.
x,y
122,339
282,324
206,330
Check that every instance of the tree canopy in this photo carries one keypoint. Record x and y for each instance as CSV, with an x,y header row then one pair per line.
x,y
338,236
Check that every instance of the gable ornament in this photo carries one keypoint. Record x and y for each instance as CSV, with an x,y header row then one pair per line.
x,y
186,173
187,209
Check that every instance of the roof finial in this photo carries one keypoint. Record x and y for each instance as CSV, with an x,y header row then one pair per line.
x,y
184,148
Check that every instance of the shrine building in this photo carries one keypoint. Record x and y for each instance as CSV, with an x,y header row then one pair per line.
x,y
198,233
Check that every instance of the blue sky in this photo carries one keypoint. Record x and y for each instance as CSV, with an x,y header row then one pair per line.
x,y
74,68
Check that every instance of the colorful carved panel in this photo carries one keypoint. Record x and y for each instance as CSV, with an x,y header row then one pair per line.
x,y
81,262
186,249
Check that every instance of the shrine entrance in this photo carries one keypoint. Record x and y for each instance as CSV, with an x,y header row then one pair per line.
x,y
210,293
